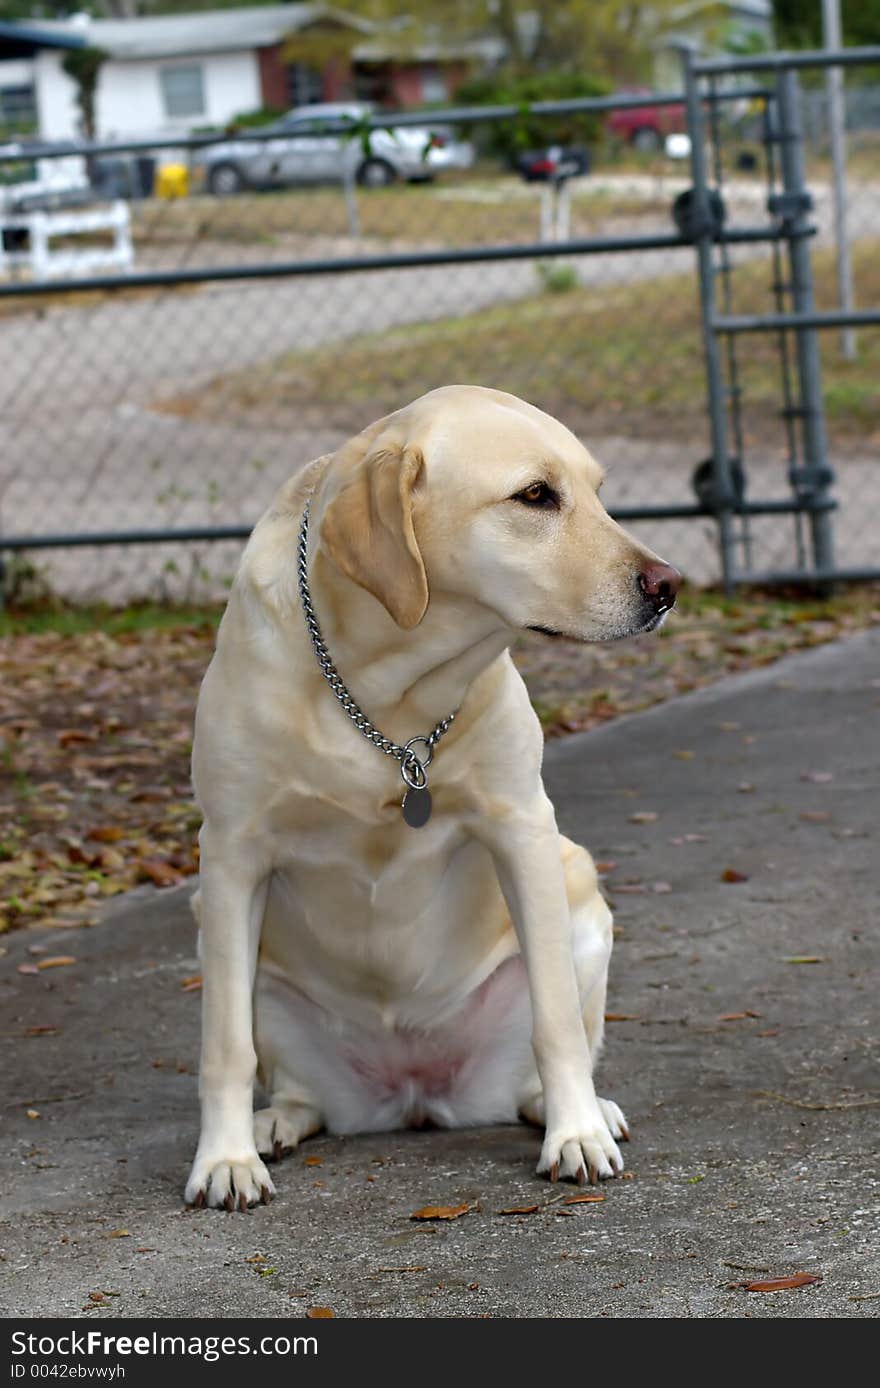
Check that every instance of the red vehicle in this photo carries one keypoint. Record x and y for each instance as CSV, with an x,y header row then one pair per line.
x,y
644,127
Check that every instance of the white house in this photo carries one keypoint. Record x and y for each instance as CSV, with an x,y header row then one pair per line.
x,y
169,73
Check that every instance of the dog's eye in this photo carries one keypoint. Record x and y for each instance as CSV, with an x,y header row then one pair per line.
x,y
538,494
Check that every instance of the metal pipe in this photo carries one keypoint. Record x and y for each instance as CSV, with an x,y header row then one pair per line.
x,y
776,62
99,538
455,115
711,346
816,472
767,322
832,36
155,279
812,577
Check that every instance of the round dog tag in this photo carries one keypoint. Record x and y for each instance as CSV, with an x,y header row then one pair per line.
x,y
416,807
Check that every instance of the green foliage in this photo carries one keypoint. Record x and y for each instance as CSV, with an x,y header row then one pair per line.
x,y
507,139
83,67
798,23
556,276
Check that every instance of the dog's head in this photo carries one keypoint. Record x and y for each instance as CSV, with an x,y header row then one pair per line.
x,y
475,494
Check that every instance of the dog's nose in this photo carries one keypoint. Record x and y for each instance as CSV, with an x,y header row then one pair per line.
x,y
660,583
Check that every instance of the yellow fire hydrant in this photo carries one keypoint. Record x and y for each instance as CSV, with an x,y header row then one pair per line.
x,y
172,181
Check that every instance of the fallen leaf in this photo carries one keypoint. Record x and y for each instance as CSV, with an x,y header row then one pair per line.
x,y
119,1234
804,959
32,1113
696,838
605,865
441,1212
738,1016
731,875
27,969
583,1199
781,1284
191,984
519,1210
56,961
96,1296
320,1313
621,1017
161,874
644,817
256,1258
314,1161
684,755
40,1031
70,736
106,833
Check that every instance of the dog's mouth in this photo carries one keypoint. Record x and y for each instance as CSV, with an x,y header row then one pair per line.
x,y
547,631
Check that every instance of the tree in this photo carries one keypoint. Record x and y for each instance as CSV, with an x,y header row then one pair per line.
x,y
798,23
608,38
83,67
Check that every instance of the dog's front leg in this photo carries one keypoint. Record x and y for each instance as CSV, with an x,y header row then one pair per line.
x,y
527,853
227,1170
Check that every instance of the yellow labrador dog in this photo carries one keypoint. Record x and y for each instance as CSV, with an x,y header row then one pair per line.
x,y
393,931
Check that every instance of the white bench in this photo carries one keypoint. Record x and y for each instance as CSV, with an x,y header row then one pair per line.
x,y
45,263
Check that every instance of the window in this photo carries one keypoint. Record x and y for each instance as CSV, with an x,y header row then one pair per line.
x,y
183,90
18,110
305,86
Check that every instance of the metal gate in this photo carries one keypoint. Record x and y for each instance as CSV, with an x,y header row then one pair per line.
x,y
92,461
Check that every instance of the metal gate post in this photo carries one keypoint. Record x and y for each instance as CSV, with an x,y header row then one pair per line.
x,y
715,387
815,477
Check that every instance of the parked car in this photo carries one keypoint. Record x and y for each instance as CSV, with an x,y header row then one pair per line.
x,y
29,183
322,143
553,164
645,127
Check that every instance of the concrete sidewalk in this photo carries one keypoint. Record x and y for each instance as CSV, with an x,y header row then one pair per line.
x,y
755,1139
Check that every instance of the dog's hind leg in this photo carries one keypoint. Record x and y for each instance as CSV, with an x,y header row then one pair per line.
x,y
293,1113
591,944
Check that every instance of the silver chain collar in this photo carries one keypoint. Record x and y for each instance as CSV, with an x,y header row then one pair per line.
x,y
413,769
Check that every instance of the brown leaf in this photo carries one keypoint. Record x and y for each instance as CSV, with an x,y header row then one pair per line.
x,y
731,875
583,1200
441,1212
781,1284
161,874
70,736
314,1161
56,961
606,865
738,1016
519,1209
192,984
643,817
621,1017
118,1234
40,1031
106,833
96,1296
320,1313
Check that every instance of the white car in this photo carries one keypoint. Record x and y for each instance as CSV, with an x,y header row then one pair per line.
x,y
329,143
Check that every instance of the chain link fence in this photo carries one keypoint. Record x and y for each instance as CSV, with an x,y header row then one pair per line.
x,y
269,297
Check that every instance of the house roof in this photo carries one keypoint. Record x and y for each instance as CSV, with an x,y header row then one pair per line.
x,y
23,40
205,31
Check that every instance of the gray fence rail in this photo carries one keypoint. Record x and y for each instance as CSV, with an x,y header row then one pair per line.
x,y
147,414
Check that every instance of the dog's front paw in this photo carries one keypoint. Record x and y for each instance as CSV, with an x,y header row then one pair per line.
x,y
580,1153
230,1184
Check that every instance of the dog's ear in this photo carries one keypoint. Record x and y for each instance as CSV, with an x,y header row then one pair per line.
x,y
368,531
